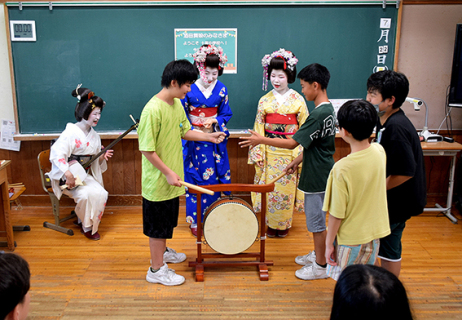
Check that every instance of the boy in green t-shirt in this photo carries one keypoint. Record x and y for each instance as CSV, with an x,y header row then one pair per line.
x,y
317,136
162,125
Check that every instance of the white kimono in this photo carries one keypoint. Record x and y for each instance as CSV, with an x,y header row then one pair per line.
x,y
91,197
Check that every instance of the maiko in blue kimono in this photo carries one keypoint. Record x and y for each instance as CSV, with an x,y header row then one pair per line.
x,y
206,163
207,108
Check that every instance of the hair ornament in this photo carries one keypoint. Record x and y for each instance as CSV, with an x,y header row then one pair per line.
x,y
201,55
77,92
90,102
90,95
290,61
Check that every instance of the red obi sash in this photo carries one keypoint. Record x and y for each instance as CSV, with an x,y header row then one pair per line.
x,y
204,112
278,118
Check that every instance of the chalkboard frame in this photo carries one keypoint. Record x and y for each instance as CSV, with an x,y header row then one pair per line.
x,y
240,121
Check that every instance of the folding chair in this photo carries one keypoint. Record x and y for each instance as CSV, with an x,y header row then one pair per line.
x,y
45,166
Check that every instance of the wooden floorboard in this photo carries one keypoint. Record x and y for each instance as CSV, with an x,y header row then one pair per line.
x,y
75,278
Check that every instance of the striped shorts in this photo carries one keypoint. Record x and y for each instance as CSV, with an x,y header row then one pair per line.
x,y
348,255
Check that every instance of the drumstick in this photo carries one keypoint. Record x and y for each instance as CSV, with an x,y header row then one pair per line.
x,y
197,188
282,174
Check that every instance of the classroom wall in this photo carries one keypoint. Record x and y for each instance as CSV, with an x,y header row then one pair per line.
x,y
6,96
425,57
423,27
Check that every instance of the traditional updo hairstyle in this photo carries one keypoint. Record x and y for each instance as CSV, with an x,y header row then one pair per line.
x,y
87,101
211,61
278,63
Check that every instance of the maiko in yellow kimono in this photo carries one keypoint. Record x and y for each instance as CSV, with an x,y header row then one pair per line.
x,y
278,116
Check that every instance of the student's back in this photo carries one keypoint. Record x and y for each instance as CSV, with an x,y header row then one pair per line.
x,y
355,199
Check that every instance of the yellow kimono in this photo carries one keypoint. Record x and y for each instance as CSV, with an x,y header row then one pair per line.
x,y
278,116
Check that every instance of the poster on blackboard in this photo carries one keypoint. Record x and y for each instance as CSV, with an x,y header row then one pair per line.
x,y
187,41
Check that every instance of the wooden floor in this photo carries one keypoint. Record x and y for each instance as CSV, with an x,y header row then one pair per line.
x,y
75,278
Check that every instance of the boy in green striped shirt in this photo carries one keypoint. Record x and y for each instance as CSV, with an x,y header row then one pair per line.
x,y
163,124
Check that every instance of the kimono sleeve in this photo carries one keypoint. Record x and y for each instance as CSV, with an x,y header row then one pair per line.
x,y
302,112
258,152
185,102
224,111
302,115
60,151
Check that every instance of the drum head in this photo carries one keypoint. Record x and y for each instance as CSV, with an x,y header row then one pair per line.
x,y
230,227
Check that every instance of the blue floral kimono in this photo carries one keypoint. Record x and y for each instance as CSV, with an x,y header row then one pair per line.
x,y
206,163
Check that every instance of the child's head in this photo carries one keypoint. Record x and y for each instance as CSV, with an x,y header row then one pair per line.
x,y
279,60
86,103
209,57
14,286
315,73
181,71
386,85
369,292
358,117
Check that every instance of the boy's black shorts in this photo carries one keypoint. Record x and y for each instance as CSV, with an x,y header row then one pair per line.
x,y
160,217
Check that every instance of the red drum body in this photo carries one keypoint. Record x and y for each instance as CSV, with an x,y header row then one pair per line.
x,y
230,226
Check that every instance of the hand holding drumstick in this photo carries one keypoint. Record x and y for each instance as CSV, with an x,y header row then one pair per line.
x,y
197,188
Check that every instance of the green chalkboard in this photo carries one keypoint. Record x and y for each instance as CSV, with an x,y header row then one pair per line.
x,y
120,52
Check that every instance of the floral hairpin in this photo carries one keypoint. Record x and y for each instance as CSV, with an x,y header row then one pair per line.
x,y
77,92
201,55
290,61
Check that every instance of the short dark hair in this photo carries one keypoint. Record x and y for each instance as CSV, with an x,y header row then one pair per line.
x,y
358,117
211,61
14,282
315,73
369,292
389,84
278,63
87,101
182,71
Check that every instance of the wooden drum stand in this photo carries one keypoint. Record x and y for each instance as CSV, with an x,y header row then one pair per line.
x,y
260,260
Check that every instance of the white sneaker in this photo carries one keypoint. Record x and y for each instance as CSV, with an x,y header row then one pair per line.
x,y
306,259
173,257
311,272
164,276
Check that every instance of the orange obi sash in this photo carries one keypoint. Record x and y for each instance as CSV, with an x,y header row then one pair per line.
x,y
278,118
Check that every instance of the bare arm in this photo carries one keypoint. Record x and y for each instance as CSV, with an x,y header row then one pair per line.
x,y
333,226
214,137
293,166
172,178
394,181
256,139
